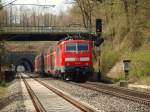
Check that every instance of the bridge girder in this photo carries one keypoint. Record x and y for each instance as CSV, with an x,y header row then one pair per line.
x,y
32,37
36,37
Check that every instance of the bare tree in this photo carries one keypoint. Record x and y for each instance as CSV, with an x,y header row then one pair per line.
x,y
86,7
126,8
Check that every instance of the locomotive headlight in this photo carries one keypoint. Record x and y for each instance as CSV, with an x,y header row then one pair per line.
x,y
69,59
84,59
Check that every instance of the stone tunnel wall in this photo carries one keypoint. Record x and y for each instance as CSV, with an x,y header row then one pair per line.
x,y
16,58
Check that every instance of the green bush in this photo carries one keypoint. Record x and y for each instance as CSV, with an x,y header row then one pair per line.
x,y
3,83
140,61
140,64
108,58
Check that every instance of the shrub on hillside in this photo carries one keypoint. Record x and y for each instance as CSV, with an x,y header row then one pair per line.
x,y
108,58
140,64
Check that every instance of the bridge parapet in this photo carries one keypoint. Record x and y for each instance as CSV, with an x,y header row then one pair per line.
x,y
42,29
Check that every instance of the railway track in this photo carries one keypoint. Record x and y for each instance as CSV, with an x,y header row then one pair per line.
x,y
37,104
128,94
40,107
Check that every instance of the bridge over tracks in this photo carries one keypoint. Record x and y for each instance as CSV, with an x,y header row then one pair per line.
x,y
38,33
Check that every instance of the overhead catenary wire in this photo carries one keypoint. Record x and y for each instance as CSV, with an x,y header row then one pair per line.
x,y
11,3
8,4
37,5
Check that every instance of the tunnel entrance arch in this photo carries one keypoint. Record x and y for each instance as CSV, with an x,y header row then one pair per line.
x,y
23,58
26,63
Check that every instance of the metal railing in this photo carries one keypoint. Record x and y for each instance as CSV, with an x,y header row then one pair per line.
x,y
41,29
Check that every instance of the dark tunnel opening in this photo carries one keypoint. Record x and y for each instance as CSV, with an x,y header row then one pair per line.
x,y
24,65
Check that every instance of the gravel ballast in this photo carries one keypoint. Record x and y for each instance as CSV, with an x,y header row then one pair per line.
x,y
13,100
101,101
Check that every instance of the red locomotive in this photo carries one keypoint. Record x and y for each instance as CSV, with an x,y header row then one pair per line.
x,y
70,59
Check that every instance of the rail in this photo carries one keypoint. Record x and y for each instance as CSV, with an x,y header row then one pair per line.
x,y
78,104
38,106
143,98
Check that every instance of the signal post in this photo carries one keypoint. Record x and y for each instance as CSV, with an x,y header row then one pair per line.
x,y
99,40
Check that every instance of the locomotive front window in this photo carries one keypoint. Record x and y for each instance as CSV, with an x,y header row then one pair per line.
x,y
82,47
71,47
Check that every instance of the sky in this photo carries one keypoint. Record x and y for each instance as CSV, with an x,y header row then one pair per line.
x,y
60,4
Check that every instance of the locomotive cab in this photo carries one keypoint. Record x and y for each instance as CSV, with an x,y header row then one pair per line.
x,y
77,59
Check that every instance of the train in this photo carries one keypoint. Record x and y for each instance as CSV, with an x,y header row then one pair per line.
x,y
69,59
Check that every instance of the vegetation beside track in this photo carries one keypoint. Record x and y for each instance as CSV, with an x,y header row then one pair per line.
x,y
139,73
127,36
2,91
3,86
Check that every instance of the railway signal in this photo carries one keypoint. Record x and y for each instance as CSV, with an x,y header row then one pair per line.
x,y
99,40
98,26
126,68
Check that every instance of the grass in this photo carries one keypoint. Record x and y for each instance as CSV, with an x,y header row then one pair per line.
x,y
140,66
2,91
108,58
3,83
144,80
140,62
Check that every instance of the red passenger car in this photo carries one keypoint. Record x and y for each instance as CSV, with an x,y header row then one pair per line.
x,y
36,63
39,63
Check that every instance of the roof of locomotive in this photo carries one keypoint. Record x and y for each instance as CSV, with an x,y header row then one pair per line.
x,y
68,40
75,38
73,41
